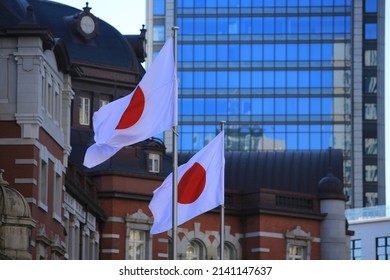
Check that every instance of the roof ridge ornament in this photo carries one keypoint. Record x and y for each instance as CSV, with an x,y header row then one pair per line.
x,y
87,8
3,183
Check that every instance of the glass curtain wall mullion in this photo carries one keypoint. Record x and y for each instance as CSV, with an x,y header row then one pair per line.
x,y
274,62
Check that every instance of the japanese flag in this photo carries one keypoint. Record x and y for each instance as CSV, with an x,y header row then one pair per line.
x,y
149,110
200,187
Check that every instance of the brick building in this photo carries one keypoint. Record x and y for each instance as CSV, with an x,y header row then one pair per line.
x,y
55,72
60,64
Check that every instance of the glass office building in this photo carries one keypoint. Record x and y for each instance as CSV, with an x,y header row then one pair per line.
x,y
284,75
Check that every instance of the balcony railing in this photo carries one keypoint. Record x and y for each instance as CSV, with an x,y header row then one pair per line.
x,y
374,212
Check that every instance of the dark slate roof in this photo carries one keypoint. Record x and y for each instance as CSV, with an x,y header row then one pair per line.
x,y
245,172
9,17
108,48
294,171
129,161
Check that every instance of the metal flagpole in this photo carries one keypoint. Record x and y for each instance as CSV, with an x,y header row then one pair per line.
x,y
222,230
175,163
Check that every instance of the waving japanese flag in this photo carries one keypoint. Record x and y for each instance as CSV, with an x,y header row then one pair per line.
x,y
200,187
149,110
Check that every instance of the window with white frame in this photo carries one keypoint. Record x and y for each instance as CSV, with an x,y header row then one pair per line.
x,y
84,110
154,163
298,244
137,244
57,105
50,98
229,252
102,102
195,250
44,92
297,252
138,240
57,195
43,184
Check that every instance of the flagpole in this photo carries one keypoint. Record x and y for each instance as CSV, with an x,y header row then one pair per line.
x,y
222,230
175,162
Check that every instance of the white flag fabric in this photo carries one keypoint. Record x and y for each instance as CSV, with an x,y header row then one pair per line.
x,y
200,187
149,110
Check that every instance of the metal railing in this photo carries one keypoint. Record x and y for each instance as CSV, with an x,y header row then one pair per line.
x,y
380,211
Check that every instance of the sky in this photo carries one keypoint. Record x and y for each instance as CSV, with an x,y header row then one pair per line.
x,y
127,16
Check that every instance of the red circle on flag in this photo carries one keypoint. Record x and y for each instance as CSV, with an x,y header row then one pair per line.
x,y
133,111
192,184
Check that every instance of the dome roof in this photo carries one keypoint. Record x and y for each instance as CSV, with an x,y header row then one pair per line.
x,y
330,187
109,47
12,203
11,17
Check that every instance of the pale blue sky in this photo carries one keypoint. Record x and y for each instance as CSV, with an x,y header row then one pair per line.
x,y
125,15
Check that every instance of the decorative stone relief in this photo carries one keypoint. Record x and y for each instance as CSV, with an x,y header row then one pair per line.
x,y
15,223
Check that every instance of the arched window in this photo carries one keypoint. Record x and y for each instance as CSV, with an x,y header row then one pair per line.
x,y
195,250
229,251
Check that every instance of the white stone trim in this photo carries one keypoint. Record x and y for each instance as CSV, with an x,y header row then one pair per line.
x,y
20,141
274,235
264,234
31,200
114,236
115,219
43,206
162,255
110,251
260,250
26,161
26,181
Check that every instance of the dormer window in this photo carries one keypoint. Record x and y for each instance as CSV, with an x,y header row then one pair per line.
x,y
84,110
154,163
103,102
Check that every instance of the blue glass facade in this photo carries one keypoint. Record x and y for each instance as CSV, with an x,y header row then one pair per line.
x,y
370,106
284,75
277,71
